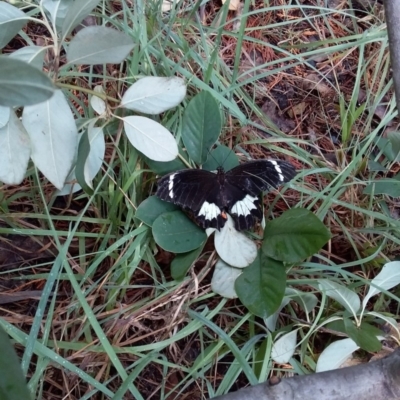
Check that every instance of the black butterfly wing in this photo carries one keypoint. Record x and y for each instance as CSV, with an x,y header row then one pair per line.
x,y
195,190
252,178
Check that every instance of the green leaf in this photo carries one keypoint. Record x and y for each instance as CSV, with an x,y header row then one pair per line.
x,y
365,336
99,45
201,126
261,286
21,84
77,11
294,236
12,381
182,262
221,156
12,20
390,187
151,208
174,232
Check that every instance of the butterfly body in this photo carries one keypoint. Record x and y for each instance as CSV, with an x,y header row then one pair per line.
x,y
210,196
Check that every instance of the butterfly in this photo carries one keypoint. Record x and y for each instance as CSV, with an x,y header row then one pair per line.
x,y
210,196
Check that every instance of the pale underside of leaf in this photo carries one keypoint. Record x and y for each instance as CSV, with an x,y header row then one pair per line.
x,y
53,135
15,150
234,247
223,280
151,138
154,95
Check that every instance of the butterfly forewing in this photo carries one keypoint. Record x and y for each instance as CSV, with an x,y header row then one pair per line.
x,y
195,190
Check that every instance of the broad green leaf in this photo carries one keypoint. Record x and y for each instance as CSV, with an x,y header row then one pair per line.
x,y
201,126
347,298
261,286
294,236
364,336
388,278
11,22
12,381
58,10
151,208
283,349
15,149
150,138
394,138
97,103
33,55
22,84
336,354
99,45
5,113
52,130
163,168
181,264
221,156
154,95
235,248
77,11
223,280
83,153
174,232
390,187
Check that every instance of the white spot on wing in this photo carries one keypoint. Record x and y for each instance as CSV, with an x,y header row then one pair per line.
x,y
209,210
244,207
277,169
171,186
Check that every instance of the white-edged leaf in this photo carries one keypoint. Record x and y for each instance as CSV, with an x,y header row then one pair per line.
x,y
348,299
15,150
270,322
33,55
96,155
99,45
12,20
52,130
307,301
22,84
283,349
97,103
58,11
336,354
234,247
154,95
223,280
386,279
150,138
5,113
77,11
